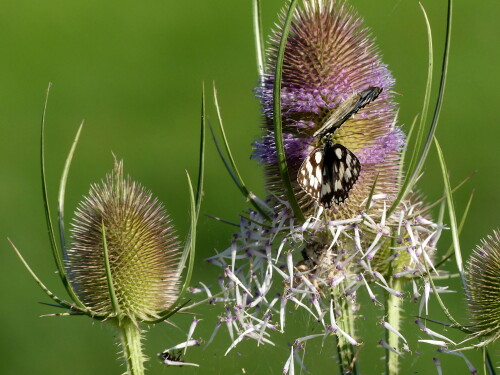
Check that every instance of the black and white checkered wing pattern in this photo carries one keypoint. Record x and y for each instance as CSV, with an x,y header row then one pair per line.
x,y
310,176
341,170
329,173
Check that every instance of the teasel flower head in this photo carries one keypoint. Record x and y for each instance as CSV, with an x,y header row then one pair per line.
x,y
124,264
329,56
122,219
277,264
483,288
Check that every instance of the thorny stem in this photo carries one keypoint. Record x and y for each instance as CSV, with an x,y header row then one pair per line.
x,y
130,335
345,321
393,310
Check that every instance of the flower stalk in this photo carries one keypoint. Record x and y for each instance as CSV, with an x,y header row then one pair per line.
x,y
393,310
345,321
131,338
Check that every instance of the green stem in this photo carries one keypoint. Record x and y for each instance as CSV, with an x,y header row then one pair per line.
x,y
393,310
130,335
345,321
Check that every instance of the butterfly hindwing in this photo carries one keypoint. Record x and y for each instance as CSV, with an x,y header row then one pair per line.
x,y
341,170
310,175
329,173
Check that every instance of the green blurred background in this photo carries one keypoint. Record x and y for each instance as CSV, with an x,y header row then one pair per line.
x,y
133,70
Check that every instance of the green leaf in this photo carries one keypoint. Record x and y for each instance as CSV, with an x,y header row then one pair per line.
x,y
191,244
488,362
239,183
450,251
189,251
445,310
223,220
201,164
168,313
50,228
427,97
195,204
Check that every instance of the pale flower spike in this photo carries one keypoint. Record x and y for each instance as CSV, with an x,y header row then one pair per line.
x,y
259,273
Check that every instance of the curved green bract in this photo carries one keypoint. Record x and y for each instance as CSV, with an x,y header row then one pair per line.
x,y
48,219
451,212
109,277
278,131
62,190
259,40
415,167
230,164
195,204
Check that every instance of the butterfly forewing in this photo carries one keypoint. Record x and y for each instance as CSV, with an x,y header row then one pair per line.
x,y
346,109
329,173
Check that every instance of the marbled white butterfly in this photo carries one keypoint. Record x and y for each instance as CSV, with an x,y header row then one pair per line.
x,y
329,172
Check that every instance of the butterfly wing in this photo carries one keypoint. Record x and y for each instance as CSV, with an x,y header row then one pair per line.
x,y
310,175
341,170
329,173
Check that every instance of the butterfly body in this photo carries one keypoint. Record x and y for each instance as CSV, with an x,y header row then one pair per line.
x,y
330,171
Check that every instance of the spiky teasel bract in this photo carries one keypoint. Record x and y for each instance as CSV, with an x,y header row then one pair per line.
x,y
142,248
483,287
329,56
